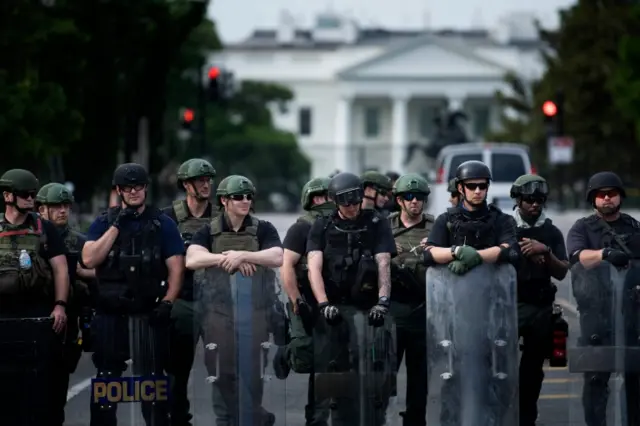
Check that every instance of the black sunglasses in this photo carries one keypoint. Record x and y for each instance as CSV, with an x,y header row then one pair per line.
x,y
240,197
530,199
26,194
474,186
410,196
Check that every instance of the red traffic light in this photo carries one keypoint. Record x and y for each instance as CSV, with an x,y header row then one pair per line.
x,y
214,72
549,108
188,115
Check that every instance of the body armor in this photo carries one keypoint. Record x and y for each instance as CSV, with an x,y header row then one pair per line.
x,y
131,278
478,232
409,279
310,217
187,224
534,281
37,280
609,238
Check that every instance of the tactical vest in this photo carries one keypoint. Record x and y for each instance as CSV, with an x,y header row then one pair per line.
x,y
349,267
409,260
246,240
309,217
606,238
188,224
479,233
534,281
133,276
37,280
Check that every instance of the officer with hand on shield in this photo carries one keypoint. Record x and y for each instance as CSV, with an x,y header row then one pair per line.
x,y
544,256
349,255
471,307
237,297
138,256
601,249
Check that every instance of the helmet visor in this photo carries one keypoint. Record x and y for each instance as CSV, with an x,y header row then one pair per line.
x,y
531,188
349,197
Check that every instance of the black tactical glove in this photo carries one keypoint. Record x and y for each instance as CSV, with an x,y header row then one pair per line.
x,y
615,257
124,216
330,313
161,315
378,313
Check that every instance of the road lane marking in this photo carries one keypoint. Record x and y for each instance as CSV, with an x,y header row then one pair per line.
x,y
82,385
560,396
558,381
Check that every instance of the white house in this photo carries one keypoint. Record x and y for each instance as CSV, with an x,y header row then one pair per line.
x,y
363,96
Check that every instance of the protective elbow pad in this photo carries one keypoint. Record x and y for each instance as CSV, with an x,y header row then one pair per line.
x,y
508,255
427,258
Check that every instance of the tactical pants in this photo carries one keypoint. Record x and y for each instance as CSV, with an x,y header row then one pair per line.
x,y
237,373
301,360
30,354
534,326
411,341
186,331
117,339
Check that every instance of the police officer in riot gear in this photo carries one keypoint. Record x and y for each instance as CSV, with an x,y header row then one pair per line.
x,y
34,284
195,177
454,195
349,255
235,241
392,206
302,307
54,201
544,256
377,191
408,275
612,237
138,255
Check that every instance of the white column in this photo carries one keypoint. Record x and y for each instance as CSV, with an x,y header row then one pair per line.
x,y
343,143
399,133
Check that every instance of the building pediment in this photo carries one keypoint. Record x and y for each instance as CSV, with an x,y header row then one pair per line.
x,y
427,57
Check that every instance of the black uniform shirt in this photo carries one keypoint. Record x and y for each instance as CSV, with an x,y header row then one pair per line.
x,y
296,238
267,234
582,237
440,236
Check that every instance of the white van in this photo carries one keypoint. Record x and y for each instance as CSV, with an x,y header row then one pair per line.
x,y
507,162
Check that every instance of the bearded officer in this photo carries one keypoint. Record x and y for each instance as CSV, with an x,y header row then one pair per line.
x,y
544,257
54,202
302,307
348,253
195,177
377,191
234,241
34,284
611,236
138,255
408,273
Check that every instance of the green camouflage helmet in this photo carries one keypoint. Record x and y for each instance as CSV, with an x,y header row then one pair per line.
x,y
411,182
56,193
528,185
42,194
239,185
452,188
377,179
316,186
194,168
17,180
222,186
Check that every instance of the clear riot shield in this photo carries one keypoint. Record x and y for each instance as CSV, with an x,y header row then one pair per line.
x,y
355,368
131,386
472,346
27,356
242,321
604,361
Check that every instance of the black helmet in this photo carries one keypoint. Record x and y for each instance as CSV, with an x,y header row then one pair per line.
x,y
346,189
130,174
604,180
472,170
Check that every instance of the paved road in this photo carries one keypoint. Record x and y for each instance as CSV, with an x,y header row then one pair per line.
x,y
560,392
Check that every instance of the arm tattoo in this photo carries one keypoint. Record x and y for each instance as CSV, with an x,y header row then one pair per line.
x,y
384,274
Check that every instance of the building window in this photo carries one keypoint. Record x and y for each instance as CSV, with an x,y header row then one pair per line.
x,y
304,121
371,122
426,125
481,120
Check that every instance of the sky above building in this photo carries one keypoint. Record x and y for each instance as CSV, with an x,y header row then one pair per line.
x,y
236,19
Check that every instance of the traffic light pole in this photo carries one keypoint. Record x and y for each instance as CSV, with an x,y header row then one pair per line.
x,y
202,107
559,131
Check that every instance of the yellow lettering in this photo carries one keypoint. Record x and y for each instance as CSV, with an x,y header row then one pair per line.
x,y
99,391
148,393
127,394
161,390
114,392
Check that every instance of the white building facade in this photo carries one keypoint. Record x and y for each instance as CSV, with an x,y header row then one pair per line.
x,y
364,97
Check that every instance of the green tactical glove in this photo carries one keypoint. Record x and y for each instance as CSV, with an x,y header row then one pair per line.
x,y
468,255
457,267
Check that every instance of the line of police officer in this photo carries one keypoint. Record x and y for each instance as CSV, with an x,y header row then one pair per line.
x,y
347,254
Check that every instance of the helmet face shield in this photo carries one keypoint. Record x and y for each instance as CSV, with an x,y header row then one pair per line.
x,y
349,197
531,188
